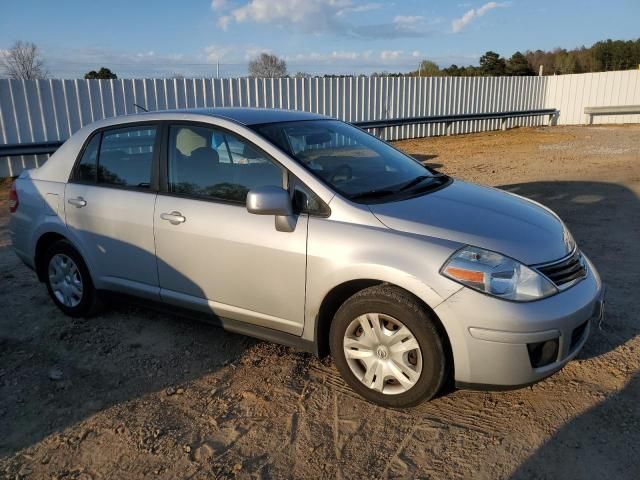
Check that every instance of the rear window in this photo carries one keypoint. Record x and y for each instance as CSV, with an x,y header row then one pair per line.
x,y
126,156
121,157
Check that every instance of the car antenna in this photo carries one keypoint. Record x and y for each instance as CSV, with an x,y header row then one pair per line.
x,y
141,108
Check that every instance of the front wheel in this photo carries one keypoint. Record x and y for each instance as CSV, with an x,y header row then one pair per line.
x,y
387,348
68,281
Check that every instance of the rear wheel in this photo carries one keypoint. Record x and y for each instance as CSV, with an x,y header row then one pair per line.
x,y
68,281
387,348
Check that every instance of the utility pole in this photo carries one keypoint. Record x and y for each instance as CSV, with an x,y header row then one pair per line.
x,y
540,71
218,68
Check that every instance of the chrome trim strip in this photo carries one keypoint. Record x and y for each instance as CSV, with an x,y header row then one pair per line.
x,y
564,286
555,262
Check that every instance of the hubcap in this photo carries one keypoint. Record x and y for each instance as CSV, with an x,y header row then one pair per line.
x,y
382,353
65,280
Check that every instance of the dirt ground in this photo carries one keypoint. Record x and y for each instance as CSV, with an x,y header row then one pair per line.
x,y
138,394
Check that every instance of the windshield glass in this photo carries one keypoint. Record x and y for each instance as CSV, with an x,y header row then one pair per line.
x,y
356,164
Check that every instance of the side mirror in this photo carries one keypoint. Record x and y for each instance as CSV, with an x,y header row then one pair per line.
x,y
272,200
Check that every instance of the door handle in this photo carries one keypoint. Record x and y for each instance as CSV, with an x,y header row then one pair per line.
x,y
77,202
174,217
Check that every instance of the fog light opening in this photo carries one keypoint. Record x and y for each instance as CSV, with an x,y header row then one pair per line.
x,y
543,353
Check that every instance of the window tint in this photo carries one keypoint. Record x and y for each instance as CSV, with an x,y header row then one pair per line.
x,y
126,156
87,168
351,161
212,163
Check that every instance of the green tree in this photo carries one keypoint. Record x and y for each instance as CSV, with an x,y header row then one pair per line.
x,y
102,74
518,65
427,68
565,62
493,64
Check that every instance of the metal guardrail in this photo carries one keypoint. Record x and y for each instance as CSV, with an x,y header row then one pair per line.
x,y
38,148
552,113
43,148
610,110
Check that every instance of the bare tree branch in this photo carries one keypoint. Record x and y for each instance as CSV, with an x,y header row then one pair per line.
x,y
267,66
24,62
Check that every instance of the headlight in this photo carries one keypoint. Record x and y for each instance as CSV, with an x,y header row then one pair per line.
x,y
497,275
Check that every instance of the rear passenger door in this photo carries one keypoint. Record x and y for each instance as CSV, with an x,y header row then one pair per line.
x,y
212,254
109,204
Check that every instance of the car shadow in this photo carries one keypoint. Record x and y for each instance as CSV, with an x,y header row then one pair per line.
x,y
55,371
604,219
426,160
590,445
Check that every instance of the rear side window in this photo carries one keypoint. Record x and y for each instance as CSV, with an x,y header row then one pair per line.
x,y
122,157
87,167
126,157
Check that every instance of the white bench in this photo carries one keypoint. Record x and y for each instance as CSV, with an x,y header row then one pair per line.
x,y
611,110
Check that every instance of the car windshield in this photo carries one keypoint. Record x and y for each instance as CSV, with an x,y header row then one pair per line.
x,y
354,163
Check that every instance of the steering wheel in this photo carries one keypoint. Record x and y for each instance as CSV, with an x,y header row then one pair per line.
x,y
344,169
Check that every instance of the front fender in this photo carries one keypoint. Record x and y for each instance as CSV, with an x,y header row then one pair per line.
x,y
340,252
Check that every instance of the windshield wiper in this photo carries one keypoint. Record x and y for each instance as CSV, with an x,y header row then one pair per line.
x,y
384,192
419,179
414,182
372,194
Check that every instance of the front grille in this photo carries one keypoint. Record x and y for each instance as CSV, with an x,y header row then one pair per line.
x,y
564,271
577,334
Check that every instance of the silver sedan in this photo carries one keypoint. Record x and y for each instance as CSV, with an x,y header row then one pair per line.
x,y
304,230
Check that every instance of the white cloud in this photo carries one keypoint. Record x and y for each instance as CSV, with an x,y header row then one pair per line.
x,y
218,4
367,7
215,53
407,19
321,16
459,24
390,54
330,57
75,62
224,21
311,15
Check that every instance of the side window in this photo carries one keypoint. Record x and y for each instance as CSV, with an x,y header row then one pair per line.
x,y
208,162
126,156
86,171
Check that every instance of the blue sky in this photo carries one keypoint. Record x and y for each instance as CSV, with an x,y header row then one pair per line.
x,y
156,39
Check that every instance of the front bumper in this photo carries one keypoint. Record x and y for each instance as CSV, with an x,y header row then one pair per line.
x,y
489,336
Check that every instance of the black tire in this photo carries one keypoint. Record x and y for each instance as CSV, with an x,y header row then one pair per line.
x,y
401,305
90,301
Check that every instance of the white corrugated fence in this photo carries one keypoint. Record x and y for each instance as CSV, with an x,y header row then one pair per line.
x,y
50,110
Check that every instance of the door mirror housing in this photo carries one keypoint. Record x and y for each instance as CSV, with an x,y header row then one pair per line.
x,y
272,200
269,200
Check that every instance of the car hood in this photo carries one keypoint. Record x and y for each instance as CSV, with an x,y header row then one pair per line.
x,y
484,217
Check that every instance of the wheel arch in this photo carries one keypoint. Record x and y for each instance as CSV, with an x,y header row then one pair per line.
x,y
342,292
44,241
42,245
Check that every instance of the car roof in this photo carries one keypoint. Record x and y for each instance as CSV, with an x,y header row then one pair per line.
x,y
252,116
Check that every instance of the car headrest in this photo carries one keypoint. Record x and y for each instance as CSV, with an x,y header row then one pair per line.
x,y
205,155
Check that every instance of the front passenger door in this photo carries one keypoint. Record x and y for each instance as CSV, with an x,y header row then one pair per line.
x,y
212,254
